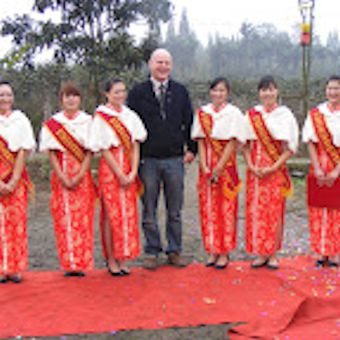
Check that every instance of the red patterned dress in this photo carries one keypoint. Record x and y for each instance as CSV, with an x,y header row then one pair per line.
x,y
118,204
324,222
265,201
218,205
72,209
15,133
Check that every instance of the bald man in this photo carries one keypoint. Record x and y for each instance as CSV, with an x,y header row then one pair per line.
x,y
165,108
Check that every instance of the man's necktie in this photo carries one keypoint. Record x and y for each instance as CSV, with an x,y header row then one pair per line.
x,y
162,96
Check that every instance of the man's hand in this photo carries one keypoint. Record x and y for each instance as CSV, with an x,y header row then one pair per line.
x,y
188,157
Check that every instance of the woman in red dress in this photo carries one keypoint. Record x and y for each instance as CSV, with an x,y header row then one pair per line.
x,y
116,134
322,133
218,128
272,138
65,136
16,140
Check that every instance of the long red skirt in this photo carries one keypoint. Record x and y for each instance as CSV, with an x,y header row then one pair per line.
x,y
324,223
119,209
265,207
13,231
73,215
218,214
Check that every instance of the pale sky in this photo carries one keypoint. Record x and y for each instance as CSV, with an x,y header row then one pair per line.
x,y
224,16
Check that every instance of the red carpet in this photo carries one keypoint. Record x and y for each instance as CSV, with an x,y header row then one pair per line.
x,y
296,300
315,313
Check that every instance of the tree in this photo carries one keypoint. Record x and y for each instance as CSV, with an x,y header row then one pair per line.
x,y
92,33
183,47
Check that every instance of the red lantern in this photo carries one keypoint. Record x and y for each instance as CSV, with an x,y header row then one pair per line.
x,y
305,39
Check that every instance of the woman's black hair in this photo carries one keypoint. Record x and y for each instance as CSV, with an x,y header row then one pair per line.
x,y
333,77
111,82
5,82
219,80
266,82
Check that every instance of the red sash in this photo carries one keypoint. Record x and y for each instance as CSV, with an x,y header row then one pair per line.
x,y
325,197
8,157
272,147
324,136
60,133
124,137
232,184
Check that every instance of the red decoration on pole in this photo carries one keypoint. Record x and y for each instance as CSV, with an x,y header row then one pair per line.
x,y
305,39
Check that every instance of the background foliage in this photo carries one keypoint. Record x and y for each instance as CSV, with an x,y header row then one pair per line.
x,y
92,41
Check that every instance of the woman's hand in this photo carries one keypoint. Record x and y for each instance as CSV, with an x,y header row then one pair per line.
x,y
122,178
85,166
4,189
205,170
8,188
65,181
266,171
331,177
131,177
11,185
320,176
74,182
254,170
216,172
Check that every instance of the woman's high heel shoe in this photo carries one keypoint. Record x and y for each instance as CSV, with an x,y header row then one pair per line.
x,y
223,265
322,262
125,271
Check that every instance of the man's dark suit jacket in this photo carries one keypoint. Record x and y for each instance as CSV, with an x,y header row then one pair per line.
x,y
166,137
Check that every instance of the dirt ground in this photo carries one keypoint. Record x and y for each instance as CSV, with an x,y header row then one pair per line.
x,y
43,254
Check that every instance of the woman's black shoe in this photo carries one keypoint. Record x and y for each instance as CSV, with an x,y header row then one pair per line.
x,y
256,265
3,280
211,263
221,266
79,274
322,262
272,266
119,273
125,271
15,278
224,265
74,274
333,264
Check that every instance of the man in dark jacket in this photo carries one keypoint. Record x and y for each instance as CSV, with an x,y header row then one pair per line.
x,y
165,108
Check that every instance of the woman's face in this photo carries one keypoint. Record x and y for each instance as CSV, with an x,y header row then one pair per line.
x,y
219,94
333,92
6,98
70,102
268,96
117,94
